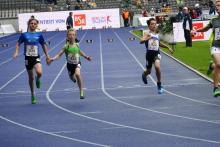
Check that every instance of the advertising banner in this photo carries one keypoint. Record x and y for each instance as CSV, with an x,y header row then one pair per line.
x,y
85,19
179,33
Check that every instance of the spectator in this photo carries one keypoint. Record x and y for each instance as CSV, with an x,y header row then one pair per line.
x,y
179,16
69,21
211,8
68,4
187,27
194,14
131,15
77,7
152,12
125,16
198,10
145,13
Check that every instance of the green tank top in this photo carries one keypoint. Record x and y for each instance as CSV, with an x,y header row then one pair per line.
x,y
72,53
215,36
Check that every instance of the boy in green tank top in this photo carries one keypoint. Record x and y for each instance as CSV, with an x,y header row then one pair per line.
x,y
73,53
215,47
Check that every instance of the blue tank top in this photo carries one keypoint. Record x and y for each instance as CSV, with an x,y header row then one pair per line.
x,y
31,42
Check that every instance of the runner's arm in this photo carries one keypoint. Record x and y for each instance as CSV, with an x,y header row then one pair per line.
x,y
163,45
145,37
85,56
17,48
57,56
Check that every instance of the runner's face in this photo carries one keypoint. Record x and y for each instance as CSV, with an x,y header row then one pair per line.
x,y
71,36
33,25
217,6
153,25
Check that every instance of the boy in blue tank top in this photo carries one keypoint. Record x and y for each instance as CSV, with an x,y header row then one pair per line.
x,y
31,40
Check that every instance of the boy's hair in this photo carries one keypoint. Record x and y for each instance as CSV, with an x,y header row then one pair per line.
x,y
71,29
32,19
149,21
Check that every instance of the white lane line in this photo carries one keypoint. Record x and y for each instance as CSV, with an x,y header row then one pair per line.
x,y
111,123
8,60
155,111
116,124
107,94
45,132
65,132
92,112
50,133
171,93
71,89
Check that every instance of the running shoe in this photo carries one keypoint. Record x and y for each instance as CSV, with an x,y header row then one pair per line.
x,y
33,100
160,89
82,96
37,82
144,78
216,93
210,69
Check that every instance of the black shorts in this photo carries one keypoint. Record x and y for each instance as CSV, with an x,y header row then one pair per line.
x,y
72,68
151,58
31,61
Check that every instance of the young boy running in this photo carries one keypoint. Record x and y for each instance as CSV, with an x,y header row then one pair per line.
x,y
73,53
152,43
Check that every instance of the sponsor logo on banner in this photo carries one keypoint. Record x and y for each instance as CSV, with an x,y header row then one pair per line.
x,y
198,35
80,20
101,19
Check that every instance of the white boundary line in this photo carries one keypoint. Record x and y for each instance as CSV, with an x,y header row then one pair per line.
x,y
111,123
135,128
180,116
50,133
183,97
41,131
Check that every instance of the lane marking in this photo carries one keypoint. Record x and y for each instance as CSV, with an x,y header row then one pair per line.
x,y
171,93
45,132
116,124
111,123
50,133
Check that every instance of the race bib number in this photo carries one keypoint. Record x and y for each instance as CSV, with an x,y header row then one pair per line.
x,y
31,50
217,33
153,44
73,58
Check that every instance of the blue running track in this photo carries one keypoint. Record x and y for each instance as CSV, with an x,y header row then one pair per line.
x,y
118,110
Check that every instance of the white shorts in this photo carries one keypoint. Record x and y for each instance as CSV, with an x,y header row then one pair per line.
x,y
215,50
